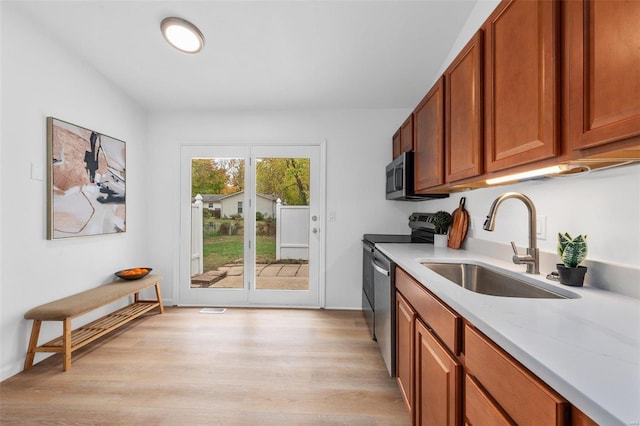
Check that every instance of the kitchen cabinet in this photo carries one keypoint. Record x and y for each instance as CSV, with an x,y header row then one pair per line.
x,y
402,140
521,84
437,383
479,407
396,144
602,49
541,83
578,418
429,140
429,374
406,135
405,322
517,392
464,141
450,373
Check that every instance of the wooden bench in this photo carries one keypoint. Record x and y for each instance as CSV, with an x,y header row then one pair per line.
x,y
78,304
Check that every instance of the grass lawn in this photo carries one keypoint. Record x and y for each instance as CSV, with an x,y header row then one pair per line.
x,y
221,250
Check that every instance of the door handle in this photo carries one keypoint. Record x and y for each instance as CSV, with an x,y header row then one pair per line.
x,y
380,269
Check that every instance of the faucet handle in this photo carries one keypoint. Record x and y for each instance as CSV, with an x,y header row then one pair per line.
x,y
515,249
517,259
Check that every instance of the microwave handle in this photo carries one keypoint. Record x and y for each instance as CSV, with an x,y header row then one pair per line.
x,y
399,177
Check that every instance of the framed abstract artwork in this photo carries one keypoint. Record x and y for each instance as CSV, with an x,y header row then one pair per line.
x,y
86,182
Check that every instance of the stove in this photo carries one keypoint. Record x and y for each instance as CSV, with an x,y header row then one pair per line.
x,y
378,286
422,231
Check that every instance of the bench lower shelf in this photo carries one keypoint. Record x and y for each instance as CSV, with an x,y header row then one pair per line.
x,y
72,340
89,332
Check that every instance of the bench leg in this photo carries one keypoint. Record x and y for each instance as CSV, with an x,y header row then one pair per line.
x,y
159,297
33,344
66,341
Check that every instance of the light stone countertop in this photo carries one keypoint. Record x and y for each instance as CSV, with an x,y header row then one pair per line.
x,y
586,348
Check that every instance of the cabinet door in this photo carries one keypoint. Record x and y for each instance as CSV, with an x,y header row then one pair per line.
x,y
464,141
603,51
406,135
524,397
429,139
578,418
405,319
479,408
521,102
437,387
396,144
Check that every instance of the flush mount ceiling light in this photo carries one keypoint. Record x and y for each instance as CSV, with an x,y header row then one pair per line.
x,y
182,35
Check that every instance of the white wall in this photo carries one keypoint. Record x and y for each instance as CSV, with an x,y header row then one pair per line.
x,y
39,79
358,148
605,205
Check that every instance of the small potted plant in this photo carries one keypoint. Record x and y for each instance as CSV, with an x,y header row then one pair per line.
x,y
572,252
441,220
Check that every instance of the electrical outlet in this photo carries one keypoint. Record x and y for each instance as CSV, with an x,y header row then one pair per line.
x,y
541,227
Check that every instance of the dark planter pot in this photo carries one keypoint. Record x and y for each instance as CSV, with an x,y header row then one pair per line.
x,y
571,276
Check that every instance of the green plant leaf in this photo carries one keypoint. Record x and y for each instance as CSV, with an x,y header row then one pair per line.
x,y
575,251
563,240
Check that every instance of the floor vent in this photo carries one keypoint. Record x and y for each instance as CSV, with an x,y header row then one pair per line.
x,y
213,310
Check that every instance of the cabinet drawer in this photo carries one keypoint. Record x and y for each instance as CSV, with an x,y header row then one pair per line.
x,y
524,397
442,320
479,408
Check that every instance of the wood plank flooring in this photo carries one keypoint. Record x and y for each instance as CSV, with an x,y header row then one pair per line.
x,y
242,367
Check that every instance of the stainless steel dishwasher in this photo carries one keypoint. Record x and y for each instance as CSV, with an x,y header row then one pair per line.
x,y
378,286
384,308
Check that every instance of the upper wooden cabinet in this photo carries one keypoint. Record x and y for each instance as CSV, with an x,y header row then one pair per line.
x,y
521,85
603,68
464,141
403,138
406,135
429,139
396,144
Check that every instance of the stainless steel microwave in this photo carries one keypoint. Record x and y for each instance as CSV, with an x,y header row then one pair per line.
x,y
399,184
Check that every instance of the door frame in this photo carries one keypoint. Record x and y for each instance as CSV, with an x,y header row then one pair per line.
x,y
182,266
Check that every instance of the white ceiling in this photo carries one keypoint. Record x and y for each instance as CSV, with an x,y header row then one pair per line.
x,y
263,54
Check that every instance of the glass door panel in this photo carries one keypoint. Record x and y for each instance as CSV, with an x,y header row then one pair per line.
x,y
287,225
217,254
282,223
214,245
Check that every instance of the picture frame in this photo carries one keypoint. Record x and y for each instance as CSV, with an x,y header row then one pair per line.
x,y
86,182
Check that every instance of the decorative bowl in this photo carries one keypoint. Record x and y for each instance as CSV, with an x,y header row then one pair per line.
x,y
133,273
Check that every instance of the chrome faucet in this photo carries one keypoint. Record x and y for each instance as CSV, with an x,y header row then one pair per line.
x,y
532,258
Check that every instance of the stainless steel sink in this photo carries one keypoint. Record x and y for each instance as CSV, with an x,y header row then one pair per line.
x,y
480,279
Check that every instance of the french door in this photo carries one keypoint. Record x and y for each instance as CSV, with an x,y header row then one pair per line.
x,y
251,226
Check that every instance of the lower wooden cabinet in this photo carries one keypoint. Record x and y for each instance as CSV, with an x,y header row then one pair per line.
x,y
438,381
524,397
449,373
405,321
480,408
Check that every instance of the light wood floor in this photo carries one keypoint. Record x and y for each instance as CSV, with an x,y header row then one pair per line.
x,y
243,367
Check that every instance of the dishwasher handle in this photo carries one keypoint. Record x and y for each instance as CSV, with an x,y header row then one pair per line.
x,y
379,268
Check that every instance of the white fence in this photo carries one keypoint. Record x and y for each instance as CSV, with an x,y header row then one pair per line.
x,y
197,266
292,232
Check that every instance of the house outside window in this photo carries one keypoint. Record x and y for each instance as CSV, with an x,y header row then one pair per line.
x,y
239,207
